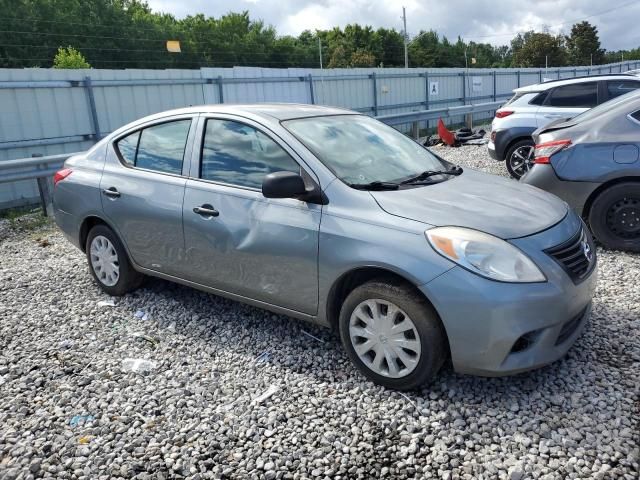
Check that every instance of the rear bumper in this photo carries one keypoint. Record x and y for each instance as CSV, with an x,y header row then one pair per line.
x,y
505,137
491,148
69,225
575,194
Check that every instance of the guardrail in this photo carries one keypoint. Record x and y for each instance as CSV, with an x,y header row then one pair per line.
x,y
414,118
42,169
36,168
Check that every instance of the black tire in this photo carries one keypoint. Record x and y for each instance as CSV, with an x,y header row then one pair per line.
x,y
614,217
129,279
433,340
515,166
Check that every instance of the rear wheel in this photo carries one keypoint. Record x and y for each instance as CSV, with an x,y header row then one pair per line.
x,y
614,217
392,334
109,263
519,158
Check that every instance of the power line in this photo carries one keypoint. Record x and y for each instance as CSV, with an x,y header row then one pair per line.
x,y
513,34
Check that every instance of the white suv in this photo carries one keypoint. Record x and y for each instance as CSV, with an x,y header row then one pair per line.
x,y
535,106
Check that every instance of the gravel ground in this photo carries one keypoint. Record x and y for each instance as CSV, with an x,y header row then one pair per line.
x,y
235,392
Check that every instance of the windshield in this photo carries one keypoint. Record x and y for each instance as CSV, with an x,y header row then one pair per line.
x,y
359,149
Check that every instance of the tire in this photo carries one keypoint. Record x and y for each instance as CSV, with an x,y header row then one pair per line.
x,y
431,348
104,243
516,166
614,217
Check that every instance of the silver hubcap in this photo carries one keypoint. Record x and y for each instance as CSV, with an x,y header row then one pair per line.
x,y
521,160
104,261
384,338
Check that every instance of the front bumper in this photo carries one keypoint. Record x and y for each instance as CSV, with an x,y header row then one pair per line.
x,y
496,328
575,194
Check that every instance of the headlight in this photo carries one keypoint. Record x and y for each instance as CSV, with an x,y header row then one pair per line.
x,y
484,254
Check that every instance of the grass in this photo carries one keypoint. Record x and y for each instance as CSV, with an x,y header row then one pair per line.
x,y
26,218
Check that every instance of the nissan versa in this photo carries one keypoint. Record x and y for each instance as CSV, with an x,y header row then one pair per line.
x,y
333,217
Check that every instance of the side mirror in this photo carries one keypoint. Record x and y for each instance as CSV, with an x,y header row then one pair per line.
x,y
283,185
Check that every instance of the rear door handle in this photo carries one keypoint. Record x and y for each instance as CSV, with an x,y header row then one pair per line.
x,y
206,210
111,192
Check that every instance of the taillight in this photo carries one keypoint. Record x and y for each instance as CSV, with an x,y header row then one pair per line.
x,y
61,175
503,113
544,151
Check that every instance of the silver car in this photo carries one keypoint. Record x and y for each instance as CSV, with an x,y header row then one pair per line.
x,y
593,162
330,216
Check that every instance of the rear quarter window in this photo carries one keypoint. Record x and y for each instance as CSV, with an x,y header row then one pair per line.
x,y
539,99
514,98
615,88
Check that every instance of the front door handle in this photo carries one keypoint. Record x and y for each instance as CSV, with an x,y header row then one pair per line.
x,y
111,192
206,210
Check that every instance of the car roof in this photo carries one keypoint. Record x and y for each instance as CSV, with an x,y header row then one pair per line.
x,y
278,111
541,87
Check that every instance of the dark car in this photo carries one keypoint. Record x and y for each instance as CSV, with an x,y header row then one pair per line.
x,y
593,162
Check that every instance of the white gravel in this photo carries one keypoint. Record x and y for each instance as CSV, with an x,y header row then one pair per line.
x,y
210,403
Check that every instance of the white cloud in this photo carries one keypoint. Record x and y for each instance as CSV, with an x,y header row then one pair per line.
x,y
493,21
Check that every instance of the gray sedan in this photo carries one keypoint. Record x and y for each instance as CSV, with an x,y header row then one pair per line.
x,y
333,217
593,162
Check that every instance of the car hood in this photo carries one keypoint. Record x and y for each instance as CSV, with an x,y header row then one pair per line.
x,y
495,205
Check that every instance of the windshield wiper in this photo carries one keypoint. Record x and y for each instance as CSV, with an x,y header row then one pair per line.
x,y
377,185
431,173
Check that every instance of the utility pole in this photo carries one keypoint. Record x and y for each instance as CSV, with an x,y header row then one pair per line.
x,y
406,38
320,51
592,59
546,63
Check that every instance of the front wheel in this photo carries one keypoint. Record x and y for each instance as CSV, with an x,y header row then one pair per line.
x,y
109,263
392,335
614,217
519,158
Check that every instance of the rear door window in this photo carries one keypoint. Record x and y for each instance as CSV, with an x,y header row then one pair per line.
x,y
159,148
615,88
577,95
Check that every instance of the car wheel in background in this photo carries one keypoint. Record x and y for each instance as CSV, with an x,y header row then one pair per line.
x,y
519,158
109,263
614,217
392,334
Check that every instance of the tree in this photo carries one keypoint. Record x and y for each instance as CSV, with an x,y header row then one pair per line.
x,y
362,58
583,43
69,58
532,49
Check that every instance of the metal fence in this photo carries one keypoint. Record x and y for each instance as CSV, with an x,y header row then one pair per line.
x,y
47,112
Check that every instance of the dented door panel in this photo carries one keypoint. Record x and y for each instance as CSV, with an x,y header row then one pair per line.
x,y
265,249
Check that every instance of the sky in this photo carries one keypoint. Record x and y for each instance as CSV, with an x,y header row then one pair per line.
x,y
490,21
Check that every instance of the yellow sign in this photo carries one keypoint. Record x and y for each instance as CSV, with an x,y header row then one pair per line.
x,y
173,46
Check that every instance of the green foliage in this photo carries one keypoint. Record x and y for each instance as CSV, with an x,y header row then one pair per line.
x,y
534,49
128,34
583,44
69,58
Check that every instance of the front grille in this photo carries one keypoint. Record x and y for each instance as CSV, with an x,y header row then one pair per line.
x,y
569,327
577,256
